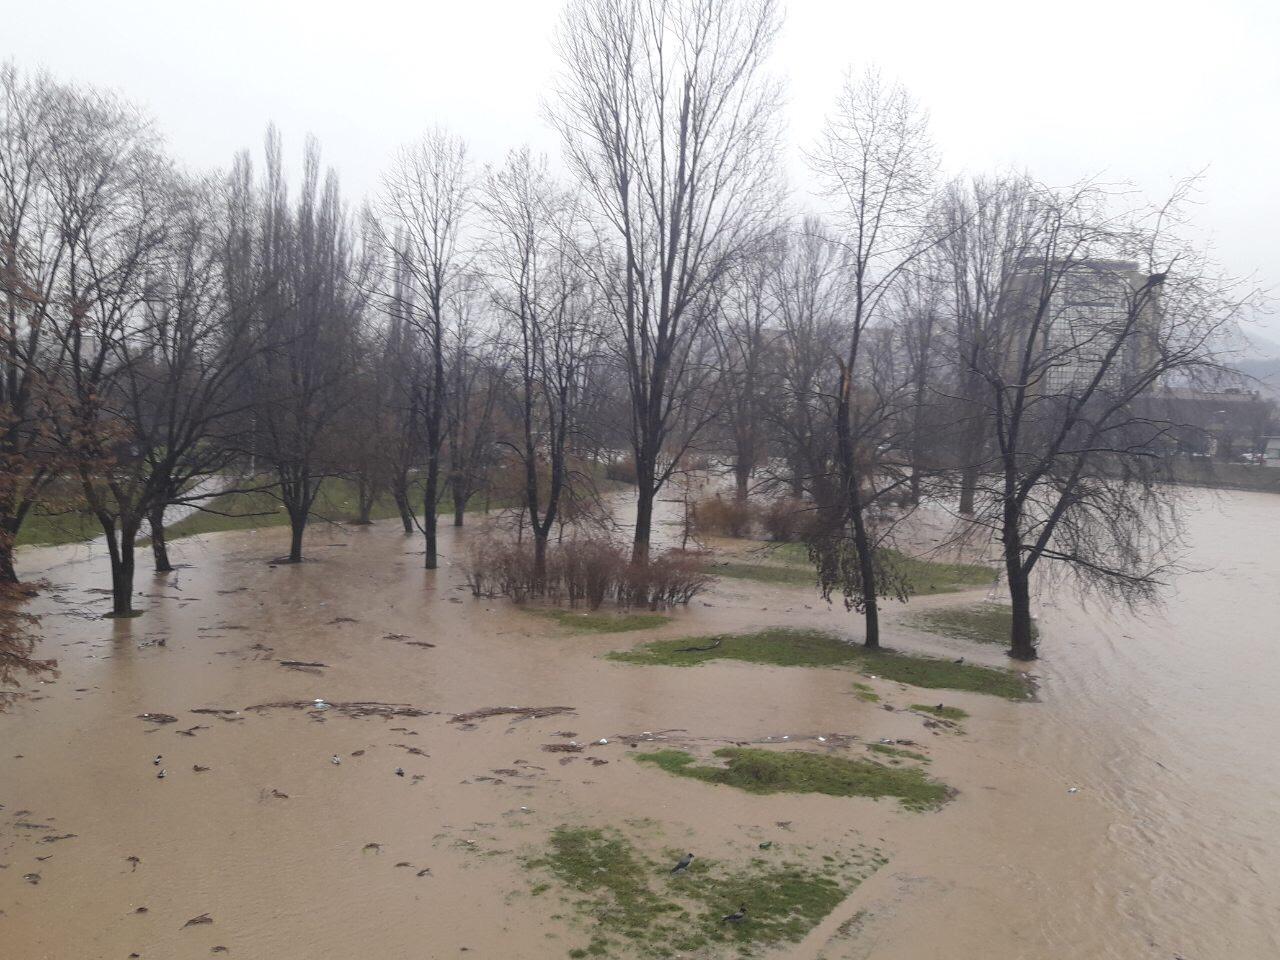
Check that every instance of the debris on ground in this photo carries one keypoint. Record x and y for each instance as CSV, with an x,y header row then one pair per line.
x,y
519,713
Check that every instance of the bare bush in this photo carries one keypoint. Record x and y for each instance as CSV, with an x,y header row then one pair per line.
x,y
787,520
585,571
724,518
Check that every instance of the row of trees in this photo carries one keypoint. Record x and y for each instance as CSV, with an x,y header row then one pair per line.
x,y
990,345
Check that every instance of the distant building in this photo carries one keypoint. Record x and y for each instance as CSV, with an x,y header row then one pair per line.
x,y
1084,315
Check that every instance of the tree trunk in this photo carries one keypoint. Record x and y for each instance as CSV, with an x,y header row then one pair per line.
x,y
867,573
401,494
742,477
121,553
459,507
1022,636
644,523
365,497
432,559
159,545
968,488
297,527
7,572
540,557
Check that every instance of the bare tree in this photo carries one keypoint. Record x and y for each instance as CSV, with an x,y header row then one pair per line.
x,y
294,269
33,248
116,203
1109,309
669,128
425,199
742,341
540,287
877,164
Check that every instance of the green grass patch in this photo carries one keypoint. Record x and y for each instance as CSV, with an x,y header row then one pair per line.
x,y
767,573
815,648
778,646
946,713
934,674
896,752
46,529
865,693
981,622
796,771
788,563
631,904
597,622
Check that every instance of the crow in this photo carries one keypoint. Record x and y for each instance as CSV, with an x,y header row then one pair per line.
x,y
683,865
736,917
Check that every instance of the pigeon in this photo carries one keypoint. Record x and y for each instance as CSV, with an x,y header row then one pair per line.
x,y
736,917
156,761
683,865
335,759
161,775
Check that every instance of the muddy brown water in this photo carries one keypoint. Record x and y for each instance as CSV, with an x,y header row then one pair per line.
x,y
1165,721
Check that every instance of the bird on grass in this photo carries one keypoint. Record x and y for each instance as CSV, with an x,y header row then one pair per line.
x,y
958,660
736,917
683,865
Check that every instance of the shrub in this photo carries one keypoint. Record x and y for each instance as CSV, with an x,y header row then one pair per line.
x,y
723,518
788,520
584,571
622,470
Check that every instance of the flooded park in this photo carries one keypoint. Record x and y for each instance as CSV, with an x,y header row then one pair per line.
x,y
361,758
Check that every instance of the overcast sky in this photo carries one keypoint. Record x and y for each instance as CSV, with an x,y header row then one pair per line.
x,y
1142,92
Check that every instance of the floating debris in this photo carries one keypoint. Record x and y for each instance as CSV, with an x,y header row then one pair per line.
x,y
302,664
57,837
335,760
562,747
199,769
134,861
519,713
31,878
196,921
157,718
357,708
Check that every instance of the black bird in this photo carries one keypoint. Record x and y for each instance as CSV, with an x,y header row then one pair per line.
x,y
939,708
737,917
958,660
683,865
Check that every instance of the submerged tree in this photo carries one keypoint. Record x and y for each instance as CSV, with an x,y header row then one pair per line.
x,y
541,291
1104,312
877,164
669,128
425,200
293,271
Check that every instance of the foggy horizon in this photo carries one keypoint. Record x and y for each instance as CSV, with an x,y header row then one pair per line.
x,y
1062,98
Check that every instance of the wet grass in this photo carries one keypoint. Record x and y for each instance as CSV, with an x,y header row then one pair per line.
x,y
946,713
934,674
796,771
789,564
597,622
981,622
896,752
630,903
42,528
864,693
815,648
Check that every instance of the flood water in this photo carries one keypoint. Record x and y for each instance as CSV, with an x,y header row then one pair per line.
x,y
1164,720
